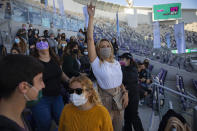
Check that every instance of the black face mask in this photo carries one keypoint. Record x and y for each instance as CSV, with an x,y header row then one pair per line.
x,y
63,37
46,34
32,50
75,51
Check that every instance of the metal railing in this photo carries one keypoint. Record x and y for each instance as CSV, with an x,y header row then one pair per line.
x,y
173,91
156,86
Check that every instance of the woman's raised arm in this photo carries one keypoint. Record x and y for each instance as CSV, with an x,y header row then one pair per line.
x,y
91,47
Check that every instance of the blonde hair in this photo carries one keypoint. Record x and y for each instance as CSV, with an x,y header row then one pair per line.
x,y
111,58
86,83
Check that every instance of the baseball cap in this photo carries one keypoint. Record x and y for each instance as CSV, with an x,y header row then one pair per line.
x,y
127,56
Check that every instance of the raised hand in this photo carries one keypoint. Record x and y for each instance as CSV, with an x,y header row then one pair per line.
x,y
91,10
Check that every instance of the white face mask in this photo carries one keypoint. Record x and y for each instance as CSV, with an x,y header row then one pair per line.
x,y
85,53
78,100
30,99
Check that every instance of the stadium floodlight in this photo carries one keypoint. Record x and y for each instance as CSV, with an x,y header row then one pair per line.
x,y
130,3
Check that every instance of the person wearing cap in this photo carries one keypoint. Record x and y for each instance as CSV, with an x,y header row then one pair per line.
x,y
130,80
51,104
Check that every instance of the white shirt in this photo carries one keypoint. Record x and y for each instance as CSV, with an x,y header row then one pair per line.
x,y
108,75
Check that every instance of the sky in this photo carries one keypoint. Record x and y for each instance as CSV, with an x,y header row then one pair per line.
x,y
189,4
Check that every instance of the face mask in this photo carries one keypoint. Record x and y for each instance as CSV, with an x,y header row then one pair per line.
x,y
64,45
17,41
81,39
52,37
36,32
85,46
146,64
85,53
113,41
122,63
78,100
75,51
42,45
32,50
34,102
31,27
24,28
28,98
105,52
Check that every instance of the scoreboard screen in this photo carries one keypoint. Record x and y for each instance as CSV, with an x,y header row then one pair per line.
x,y
167,12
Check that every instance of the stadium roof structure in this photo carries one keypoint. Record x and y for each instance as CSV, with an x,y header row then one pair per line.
x,y
120,5
107,5
119,2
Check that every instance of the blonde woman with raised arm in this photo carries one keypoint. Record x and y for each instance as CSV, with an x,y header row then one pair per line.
x,y
108,74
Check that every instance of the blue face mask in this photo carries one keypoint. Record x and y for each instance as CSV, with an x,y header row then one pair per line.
x,y
64,45
17,41
81,39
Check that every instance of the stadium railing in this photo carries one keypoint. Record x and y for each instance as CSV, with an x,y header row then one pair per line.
x,y
172,100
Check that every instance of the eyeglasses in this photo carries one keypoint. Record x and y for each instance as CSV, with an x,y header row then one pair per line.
x,y
78,91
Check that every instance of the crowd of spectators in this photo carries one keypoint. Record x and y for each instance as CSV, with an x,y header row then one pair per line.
x,y
81,83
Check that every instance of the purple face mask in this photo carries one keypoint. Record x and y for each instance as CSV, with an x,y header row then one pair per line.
x,y
122,63
42,45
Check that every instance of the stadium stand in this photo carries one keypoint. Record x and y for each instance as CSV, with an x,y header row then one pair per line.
x,y
138,41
